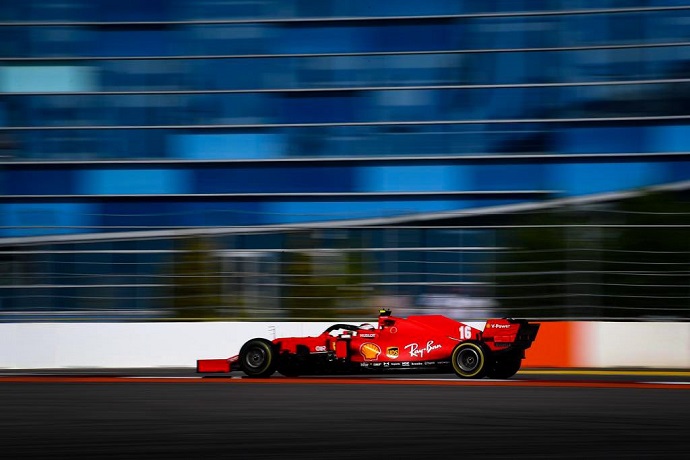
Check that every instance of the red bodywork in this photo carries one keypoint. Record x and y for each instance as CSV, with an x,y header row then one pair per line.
x,y
425,341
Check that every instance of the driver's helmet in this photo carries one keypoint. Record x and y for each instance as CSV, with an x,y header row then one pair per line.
x,y
367,327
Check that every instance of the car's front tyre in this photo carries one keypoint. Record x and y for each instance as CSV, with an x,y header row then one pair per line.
x,y
469,360
258,358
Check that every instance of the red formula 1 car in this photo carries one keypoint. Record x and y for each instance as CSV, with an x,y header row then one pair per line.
x,y
430,343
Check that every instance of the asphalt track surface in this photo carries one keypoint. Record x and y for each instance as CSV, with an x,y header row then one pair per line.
x,y
170,414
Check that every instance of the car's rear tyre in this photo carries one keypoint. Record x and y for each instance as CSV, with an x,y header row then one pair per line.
x,y
257,358
505,368
469,360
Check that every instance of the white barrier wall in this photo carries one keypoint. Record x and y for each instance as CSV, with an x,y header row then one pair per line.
x,y
141,345
131,345
662,345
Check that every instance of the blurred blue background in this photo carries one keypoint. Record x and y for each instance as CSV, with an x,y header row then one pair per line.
x,y
249,85
120,116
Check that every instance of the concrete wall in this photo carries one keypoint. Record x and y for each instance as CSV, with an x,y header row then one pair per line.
x,y
113,345
141,345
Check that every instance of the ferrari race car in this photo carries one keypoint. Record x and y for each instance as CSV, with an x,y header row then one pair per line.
x,y
423,343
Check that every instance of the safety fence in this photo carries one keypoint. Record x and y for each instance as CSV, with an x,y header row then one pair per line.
x,y
587,262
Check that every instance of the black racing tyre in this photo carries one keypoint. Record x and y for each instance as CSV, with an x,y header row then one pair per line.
x,y
469,360
258,358
505,368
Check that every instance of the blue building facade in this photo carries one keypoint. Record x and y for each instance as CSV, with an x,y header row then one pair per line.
x,y
169,114
219,98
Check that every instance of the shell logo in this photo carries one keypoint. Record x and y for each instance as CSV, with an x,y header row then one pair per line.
x,y
370,351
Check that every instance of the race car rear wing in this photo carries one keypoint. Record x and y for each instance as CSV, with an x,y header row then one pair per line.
x,y
516,333
527,333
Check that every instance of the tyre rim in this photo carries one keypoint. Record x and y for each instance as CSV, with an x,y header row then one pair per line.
x,y
468,360
255,357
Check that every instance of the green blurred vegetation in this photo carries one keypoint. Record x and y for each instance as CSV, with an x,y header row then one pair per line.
x,y
629,259
197,289
664,251
323,283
